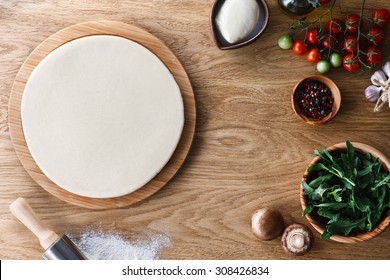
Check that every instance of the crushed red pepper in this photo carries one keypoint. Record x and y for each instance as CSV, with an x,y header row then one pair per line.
x,y
314,99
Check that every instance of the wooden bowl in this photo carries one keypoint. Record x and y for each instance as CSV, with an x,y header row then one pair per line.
x,y
253,36
336,99
319,224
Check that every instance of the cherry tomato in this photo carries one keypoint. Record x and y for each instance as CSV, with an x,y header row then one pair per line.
x,y
334,27
312,36
285,42
352,23
350,44
375,35
381,17
299,48
335,60
324,2
323,66
313,55
351,63
373,55
328,42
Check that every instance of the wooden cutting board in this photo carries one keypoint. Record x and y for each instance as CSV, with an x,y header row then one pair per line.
x,y
102,28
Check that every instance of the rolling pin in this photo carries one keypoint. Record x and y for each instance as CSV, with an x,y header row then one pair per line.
x,y
56,248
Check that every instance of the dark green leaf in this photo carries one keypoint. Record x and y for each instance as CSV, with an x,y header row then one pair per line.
x,y
336,195
308,210
351,191
326,235
324,212
327,154
309,191
317,167
319,180
350,153
382,182
365,171
333,205
344,226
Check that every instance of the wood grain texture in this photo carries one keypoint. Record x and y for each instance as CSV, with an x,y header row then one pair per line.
x,y
77,31
249,151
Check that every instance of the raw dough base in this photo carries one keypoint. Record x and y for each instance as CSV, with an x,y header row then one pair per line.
x,y
101,115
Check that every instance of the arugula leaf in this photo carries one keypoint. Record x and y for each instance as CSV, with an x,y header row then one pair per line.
x,y
327,154
350,190
324,212
333,205
344,226
317,167
336,195
319,180
308,210
350,153
382,182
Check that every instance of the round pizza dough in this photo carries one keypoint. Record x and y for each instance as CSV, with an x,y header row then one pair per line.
x,y
101,115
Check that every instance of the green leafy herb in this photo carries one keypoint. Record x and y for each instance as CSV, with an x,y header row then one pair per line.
x,y
350,190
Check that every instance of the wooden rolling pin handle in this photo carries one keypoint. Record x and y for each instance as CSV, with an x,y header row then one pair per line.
x,y
23,211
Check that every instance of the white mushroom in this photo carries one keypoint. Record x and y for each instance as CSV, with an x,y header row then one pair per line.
x,y
297,239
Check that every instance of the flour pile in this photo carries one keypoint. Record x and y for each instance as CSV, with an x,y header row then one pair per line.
x,y
112,246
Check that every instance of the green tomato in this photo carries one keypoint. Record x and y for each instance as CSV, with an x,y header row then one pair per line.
x,y
323,66
335,60
285,42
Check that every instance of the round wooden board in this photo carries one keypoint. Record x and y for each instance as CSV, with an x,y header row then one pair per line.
x,y
102,28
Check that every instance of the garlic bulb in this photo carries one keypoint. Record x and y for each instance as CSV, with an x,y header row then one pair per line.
x,y
386,69
380,89
372,93
378,78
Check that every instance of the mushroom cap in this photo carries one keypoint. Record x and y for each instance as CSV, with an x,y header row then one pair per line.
x,y
267,223
297,239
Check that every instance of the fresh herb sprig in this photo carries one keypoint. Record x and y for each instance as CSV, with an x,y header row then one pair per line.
x,y
350,190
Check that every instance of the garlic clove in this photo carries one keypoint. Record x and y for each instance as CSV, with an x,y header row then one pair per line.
x,y
372,93
378,78
384,97
386,69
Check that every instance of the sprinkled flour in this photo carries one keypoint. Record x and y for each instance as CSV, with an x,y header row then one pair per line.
x,y
112,246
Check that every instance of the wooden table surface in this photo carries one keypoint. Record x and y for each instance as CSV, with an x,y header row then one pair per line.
x,y
249,151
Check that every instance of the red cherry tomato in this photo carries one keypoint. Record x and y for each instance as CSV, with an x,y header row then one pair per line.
x,y
351,63
373,55
375,35
350,44
352,23
328,42
313,56
312,36
324,2
299,48
381,17
334,27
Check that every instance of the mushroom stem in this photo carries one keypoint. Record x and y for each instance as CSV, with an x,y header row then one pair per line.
x,y
297,239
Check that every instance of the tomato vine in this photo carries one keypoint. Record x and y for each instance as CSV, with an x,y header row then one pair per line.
x,y
342,39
